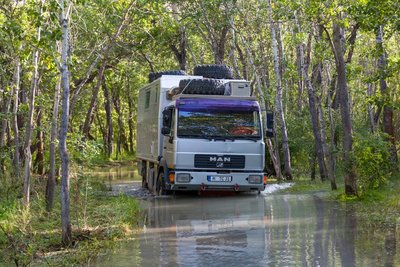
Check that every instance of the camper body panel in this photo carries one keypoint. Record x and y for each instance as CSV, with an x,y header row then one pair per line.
x,y
151,102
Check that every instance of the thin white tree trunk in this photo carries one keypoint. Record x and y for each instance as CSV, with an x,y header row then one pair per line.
x,y
29,126
15,118
65,209
51,182
278,100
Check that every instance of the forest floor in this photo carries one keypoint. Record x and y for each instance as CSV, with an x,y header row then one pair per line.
x,y
33,237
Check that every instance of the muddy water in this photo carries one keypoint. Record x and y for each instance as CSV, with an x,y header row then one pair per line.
x,y
255,230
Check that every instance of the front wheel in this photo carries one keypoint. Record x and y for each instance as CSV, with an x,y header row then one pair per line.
x,y
160,188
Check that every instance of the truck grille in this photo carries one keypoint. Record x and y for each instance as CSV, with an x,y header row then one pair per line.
x,y
218,161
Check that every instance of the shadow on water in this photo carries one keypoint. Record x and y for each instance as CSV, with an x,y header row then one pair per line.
x,y
255,230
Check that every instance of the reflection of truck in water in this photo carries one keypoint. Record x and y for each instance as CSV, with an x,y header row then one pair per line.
x,y
204,231
196,133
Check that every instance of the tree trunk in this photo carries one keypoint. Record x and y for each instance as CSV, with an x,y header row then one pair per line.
x,y
312,103
121,128
370,109
89,113
51,181
107,107
350,176
16,160
233,49
180,53
219,46
332,157
387,124
278,102
65,203
299,66
4,126
39,161
243,62
131,112
29,126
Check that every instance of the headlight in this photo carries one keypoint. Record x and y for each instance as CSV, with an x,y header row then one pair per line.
x,y
183,177
254,179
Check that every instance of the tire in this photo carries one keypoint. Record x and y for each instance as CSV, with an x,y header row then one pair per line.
x,y
144,183
160,187
213,71
202,87
155,75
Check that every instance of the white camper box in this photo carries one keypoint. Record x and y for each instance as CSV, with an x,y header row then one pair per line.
x,y
151,103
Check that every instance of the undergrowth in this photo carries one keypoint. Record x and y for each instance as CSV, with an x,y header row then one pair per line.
x,y
33,237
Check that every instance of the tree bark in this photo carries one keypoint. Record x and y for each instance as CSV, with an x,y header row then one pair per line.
x,y
65,202
387,123
278,100
39,161
107,107
51,181
350,176
332,157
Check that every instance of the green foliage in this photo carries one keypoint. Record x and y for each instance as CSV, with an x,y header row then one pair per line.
x,y
372,162
84,151
301,142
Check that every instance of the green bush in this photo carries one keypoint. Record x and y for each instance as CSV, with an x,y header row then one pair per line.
x,y
372,161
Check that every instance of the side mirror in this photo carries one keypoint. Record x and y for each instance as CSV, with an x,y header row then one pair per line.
x,y
166,121
270,124
165,130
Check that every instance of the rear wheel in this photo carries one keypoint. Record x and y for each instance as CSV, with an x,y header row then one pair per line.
x,y
143,172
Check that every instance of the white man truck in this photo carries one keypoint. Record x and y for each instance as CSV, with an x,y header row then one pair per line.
x,y
197,133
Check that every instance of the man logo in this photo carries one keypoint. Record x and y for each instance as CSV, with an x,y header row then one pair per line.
x,y
220,159
220,165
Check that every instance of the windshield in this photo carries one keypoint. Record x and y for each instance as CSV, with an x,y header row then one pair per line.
x,y
219,124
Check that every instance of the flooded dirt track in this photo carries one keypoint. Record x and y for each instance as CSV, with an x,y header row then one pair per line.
x,y
255,230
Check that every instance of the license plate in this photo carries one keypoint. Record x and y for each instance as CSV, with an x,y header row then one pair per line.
x,y
219,178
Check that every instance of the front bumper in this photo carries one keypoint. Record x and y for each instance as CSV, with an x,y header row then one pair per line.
x,y
199,181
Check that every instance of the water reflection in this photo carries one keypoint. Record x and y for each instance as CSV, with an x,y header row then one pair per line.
x,y
116,174
276,230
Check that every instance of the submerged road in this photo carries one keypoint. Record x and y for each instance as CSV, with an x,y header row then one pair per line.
x,y
270,229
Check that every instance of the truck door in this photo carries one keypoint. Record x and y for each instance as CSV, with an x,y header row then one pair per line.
x,y
169,140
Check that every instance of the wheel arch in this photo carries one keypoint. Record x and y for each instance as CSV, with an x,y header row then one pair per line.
x,y
163,166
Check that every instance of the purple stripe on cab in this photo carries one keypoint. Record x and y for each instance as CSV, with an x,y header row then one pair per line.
x,y
193,104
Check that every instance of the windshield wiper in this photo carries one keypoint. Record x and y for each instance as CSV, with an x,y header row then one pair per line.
x,y
220,138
